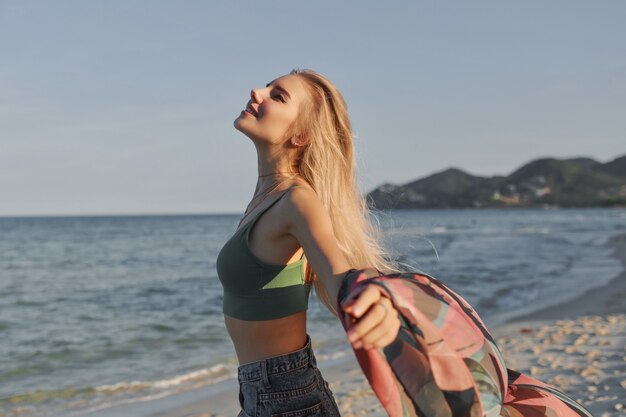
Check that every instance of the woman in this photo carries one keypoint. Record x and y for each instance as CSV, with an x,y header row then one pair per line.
x,y
443,362
306,202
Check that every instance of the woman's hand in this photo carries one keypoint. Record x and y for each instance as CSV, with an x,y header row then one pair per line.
x,y
378,327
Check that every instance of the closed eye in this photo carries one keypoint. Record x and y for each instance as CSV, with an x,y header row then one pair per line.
x,y
280,97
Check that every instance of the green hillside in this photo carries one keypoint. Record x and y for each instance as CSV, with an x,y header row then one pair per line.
x,y
545,182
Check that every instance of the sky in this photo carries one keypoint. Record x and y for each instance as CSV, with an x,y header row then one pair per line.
x,y
127,107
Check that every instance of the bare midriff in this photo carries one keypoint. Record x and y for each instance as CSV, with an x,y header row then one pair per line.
x,y
262,339
256,340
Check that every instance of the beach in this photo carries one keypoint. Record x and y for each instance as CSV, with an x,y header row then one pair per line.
x,y
156,346
577,346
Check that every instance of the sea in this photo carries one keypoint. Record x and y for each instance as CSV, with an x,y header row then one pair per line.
x,y
100,311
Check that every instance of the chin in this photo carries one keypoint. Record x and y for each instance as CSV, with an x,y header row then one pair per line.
x,y
237,123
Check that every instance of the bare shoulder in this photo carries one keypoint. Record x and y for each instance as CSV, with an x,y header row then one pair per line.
x,y
305,213
302,202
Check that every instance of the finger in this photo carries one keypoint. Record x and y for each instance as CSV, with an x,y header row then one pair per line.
x,y
349,301
382,342
386,322
371,319
373,335
355,296
356,292
365,299
385,333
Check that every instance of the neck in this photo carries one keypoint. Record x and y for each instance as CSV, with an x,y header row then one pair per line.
x,y
269,162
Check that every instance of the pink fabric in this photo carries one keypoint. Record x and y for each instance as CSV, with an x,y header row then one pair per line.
x,y
444,362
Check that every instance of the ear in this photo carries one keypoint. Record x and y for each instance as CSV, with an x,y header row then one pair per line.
x,y
299,141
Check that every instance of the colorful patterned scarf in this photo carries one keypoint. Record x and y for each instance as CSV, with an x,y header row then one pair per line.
x,y
444,362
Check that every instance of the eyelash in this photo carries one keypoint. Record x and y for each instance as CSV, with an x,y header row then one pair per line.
x,y
280,97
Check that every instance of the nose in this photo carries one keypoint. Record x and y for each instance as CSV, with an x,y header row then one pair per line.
x,y
253,95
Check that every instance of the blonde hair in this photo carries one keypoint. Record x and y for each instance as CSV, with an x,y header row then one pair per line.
x,y
328,165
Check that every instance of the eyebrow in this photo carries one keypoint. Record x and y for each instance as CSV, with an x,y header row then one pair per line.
x,y
279,88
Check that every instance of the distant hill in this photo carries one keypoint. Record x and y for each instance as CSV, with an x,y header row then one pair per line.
x,y
546,182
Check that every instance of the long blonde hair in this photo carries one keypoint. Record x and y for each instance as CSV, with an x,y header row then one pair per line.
x,y
328,165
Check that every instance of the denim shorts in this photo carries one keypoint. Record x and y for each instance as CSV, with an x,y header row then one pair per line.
x,y
289,385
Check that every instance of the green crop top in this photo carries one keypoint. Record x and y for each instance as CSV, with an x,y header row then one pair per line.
x,y
257,290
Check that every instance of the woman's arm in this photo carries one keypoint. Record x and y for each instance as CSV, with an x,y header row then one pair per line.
x,y
309,222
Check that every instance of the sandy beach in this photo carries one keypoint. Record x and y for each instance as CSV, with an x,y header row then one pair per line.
x,y
578,346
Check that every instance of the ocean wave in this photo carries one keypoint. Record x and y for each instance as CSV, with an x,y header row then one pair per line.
x,y
210,375
42,402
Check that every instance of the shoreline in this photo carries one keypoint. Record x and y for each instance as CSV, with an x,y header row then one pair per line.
x,y
610,298
576,345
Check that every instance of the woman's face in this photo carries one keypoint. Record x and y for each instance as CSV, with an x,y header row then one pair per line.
x,y
272,109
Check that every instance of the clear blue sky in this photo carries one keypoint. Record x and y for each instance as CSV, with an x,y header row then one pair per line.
x,y
126,107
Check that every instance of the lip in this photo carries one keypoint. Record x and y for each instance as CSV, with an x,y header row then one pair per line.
x,y
250,110
246,112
